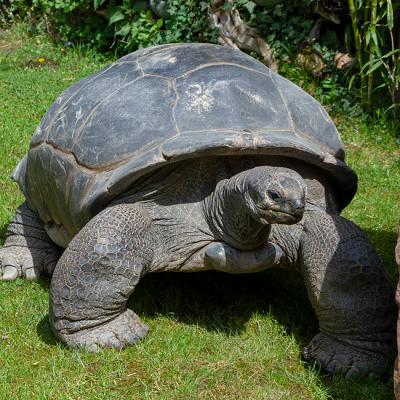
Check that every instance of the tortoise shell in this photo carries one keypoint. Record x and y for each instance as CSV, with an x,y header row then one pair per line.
x,y
165,104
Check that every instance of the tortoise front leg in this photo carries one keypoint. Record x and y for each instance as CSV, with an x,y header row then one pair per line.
x,y
95,277
351,295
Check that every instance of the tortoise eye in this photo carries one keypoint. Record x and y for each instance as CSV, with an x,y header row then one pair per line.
x,y
274,195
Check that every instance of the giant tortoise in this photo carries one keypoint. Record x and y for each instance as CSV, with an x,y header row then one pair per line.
x,y
190,157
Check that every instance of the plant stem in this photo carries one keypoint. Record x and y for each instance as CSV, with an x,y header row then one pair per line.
x,y
357,45
374,6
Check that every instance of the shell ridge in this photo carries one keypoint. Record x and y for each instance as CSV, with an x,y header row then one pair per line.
x,y
89,170
145,74
160,51
68,185
283,100
140,67
255,130
216,64
105,167
177,97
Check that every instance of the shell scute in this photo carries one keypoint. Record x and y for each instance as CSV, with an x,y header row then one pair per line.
x,y
61,104
309,117
64,124
126,123
205,100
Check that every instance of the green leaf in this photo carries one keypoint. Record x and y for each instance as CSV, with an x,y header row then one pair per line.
x,y
159,23
250,6
374,67
395,51
369,63
391,107
98,3
389,14
382,85
134,30
116,16
227,6
351,81
378,51
124,30
374,37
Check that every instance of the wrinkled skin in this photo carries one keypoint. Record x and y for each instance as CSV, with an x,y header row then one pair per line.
x,y
236,215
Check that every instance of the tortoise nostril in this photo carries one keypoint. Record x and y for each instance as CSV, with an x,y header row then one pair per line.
x,y
298,205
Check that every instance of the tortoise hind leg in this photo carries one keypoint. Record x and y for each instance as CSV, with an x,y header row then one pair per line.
x,y
28,251
352,297
95,277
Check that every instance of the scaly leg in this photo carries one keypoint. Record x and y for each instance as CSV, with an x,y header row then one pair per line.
x,y
95,277
351,295
27,251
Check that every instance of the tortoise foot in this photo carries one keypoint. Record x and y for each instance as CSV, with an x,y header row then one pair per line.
x,y
123,331
334,356
25,262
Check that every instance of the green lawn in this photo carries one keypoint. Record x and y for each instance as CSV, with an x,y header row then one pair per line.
x,y
212,336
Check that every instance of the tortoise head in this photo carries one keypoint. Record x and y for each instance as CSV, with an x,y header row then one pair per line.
x,y
275,195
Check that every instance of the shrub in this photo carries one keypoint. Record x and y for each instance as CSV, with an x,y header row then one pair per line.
x,y
115,25
376,27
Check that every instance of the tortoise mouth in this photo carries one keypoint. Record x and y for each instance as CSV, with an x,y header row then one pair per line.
x,y
276,215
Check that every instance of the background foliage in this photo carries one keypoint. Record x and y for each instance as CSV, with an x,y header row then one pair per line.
x,y
114,25
367,29
376,42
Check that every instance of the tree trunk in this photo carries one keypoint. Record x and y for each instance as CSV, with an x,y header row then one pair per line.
x,y
235,33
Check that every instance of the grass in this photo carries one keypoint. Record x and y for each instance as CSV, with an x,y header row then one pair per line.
x,y
212,336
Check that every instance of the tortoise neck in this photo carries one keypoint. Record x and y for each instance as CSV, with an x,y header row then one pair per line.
x,y
229,216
